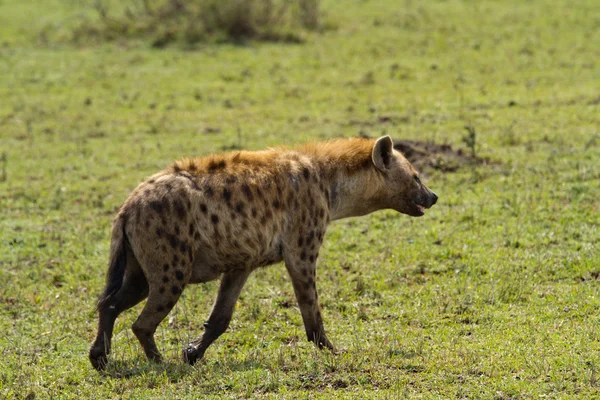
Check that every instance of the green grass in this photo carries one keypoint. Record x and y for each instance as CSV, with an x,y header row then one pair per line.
x,y
493,294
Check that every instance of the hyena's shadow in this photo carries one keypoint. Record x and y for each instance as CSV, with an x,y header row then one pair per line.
x,y
134,367
175,371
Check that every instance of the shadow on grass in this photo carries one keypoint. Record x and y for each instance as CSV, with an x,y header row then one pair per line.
x,y
124,369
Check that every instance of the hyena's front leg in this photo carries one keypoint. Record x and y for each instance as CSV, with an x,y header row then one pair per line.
x,y
220,316
302,270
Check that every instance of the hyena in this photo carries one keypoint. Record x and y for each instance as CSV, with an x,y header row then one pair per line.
x,y
225,215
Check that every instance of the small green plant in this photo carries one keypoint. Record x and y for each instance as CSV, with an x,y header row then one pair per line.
x,y
4,161
470,140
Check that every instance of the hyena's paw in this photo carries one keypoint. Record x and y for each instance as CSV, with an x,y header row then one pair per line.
x,y
98,358
192,353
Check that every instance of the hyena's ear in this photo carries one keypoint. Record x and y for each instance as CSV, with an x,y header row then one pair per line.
x,y
382,153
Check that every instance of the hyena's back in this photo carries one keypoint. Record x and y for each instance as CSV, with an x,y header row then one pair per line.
x,y
206,224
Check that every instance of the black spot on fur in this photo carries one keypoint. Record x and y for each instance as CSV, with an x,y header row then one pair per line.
x,y
306,299
227,194
214,218
179,208
203,208
166,267
183,247
214,165
173,241
159,232
165,279
175,290
300,241
191,229
254,212
177,230
170,304
156,206
151,181
160,309
161,290
276,204
239,207
176,168
179,275
175,259
303,255
231,179
306,173
208,191
312,258
247,192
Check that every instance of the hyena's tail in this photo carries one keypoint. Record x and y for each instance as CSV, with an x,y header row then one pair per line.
x,y
117,263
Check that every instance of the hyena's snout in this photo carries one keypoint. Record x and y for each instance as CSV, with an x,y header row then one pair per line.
x,y
433,198
421,201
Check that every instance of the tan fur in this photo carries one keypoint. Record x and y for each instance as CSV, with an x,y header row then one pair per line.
x,y
226,215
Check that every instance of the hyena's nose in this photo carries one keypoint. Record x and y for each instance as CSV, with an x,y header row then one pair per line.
x,y
434,198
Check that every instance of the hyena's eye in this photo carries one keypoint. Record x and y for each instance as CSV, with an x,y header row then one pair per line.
x,y
417,179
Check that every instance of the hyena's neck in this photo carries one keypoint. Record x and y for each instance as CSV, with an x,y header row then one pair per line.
x,y
350,174
352,195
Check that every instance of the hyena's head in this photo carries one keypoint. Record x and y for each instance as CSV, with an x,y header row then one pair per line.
x,y
402,189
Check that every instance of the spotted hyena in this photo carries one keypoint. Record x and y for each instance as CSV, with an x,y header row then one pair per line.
x,y
226,215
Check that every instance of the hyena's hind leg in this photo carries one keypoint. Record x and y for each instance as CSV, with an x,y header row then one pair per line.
x,y
133,290
166,282
220,316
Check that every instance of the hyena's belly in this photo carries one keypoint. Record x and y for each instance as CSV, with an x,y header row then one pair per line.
x,y
234,253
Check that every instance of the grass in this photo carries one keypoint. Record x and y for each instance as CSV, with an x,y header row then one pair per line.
x,y
493,294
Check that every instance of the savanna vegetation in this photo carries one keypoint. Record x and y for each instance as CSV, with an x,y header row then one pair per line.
x,y
494,293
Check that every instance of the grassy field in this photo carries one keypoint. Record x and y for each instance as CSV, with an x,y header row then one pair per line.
x,y
493,294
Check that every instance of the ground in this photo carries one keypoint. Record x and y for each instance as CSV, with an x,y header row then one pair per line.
x,y
493,294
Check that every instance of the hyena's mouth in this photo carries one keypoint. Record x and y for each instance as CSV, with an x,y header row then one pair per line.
x,y
419,209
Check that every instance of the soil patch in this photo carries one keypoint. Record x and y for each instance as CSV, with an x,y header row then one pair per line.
x,y
429,155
